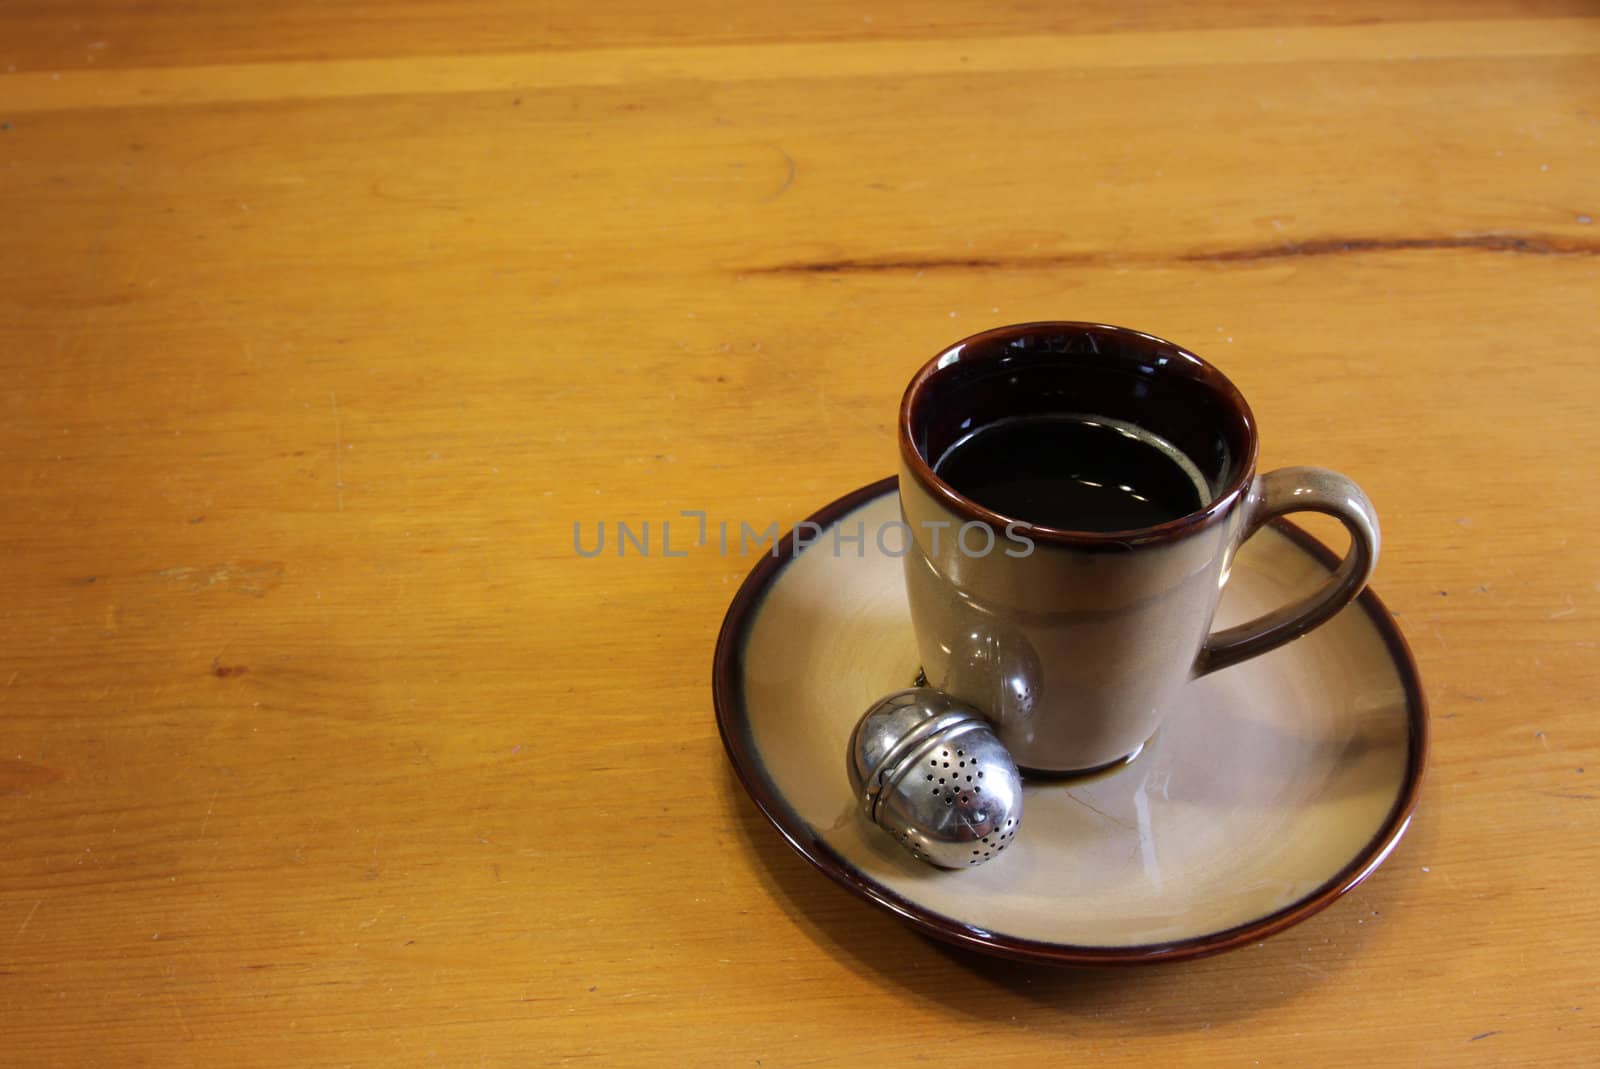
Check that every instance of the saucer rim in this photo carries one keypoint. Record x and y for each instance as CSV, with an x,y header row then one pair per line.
x,y
739,746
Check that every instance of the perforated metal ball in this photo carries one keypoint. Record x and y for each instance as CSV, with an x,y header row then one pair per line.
x,y
930,772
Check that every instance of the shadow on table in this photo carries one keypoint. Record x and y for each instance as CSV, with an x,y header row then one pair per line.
x,y
1172,997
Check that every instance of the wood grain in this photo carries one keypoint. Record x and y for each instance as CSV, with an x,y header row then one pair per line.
x,y
322,327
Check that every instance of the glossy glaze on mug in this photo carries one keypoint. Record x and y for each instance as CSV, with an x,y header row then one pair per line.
x,y
1077,649
1071,683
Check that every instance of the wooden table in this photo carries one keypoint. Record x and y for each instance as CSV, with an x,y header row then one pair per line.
x,y
324,324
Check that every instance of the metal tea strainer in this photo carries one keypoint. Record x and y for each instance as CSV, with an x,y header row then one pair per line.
x,y
930,771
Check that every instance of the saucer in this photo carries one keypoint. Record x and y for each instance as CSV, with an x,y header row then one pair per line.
x,y
1273,787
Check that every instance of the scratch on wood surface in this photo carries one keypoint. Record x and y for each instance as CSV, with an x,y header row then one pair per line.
x,y
178,1009
253,579
1527,244
788,179
338,451
13,678
1311,248
1438,635
209,809
26,921
934,263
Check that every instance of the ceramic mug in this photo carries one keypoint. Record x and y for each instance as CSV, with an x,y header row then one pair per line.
x,y
1075,642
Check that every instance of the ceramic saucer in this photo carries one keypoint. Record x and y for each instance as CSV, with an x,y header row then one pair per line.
x,y
1276,786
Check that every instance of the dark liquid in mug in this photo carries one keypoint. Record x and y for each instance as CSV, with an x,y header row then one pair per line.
x,y
1076,473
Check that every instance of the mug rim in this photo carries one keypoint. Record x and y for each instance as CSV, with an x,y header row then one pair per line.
x,y
1168,531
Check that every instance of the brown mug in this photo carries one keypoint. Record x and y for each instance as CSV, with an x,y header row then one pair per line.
x,y
1075,640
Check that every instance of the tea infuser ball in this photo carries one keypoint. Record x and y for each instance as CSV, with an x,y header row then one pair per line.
x,y
931,772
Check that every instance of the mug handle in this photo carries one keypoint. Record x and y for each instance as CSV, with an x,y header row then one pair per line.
x,y
1299,489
